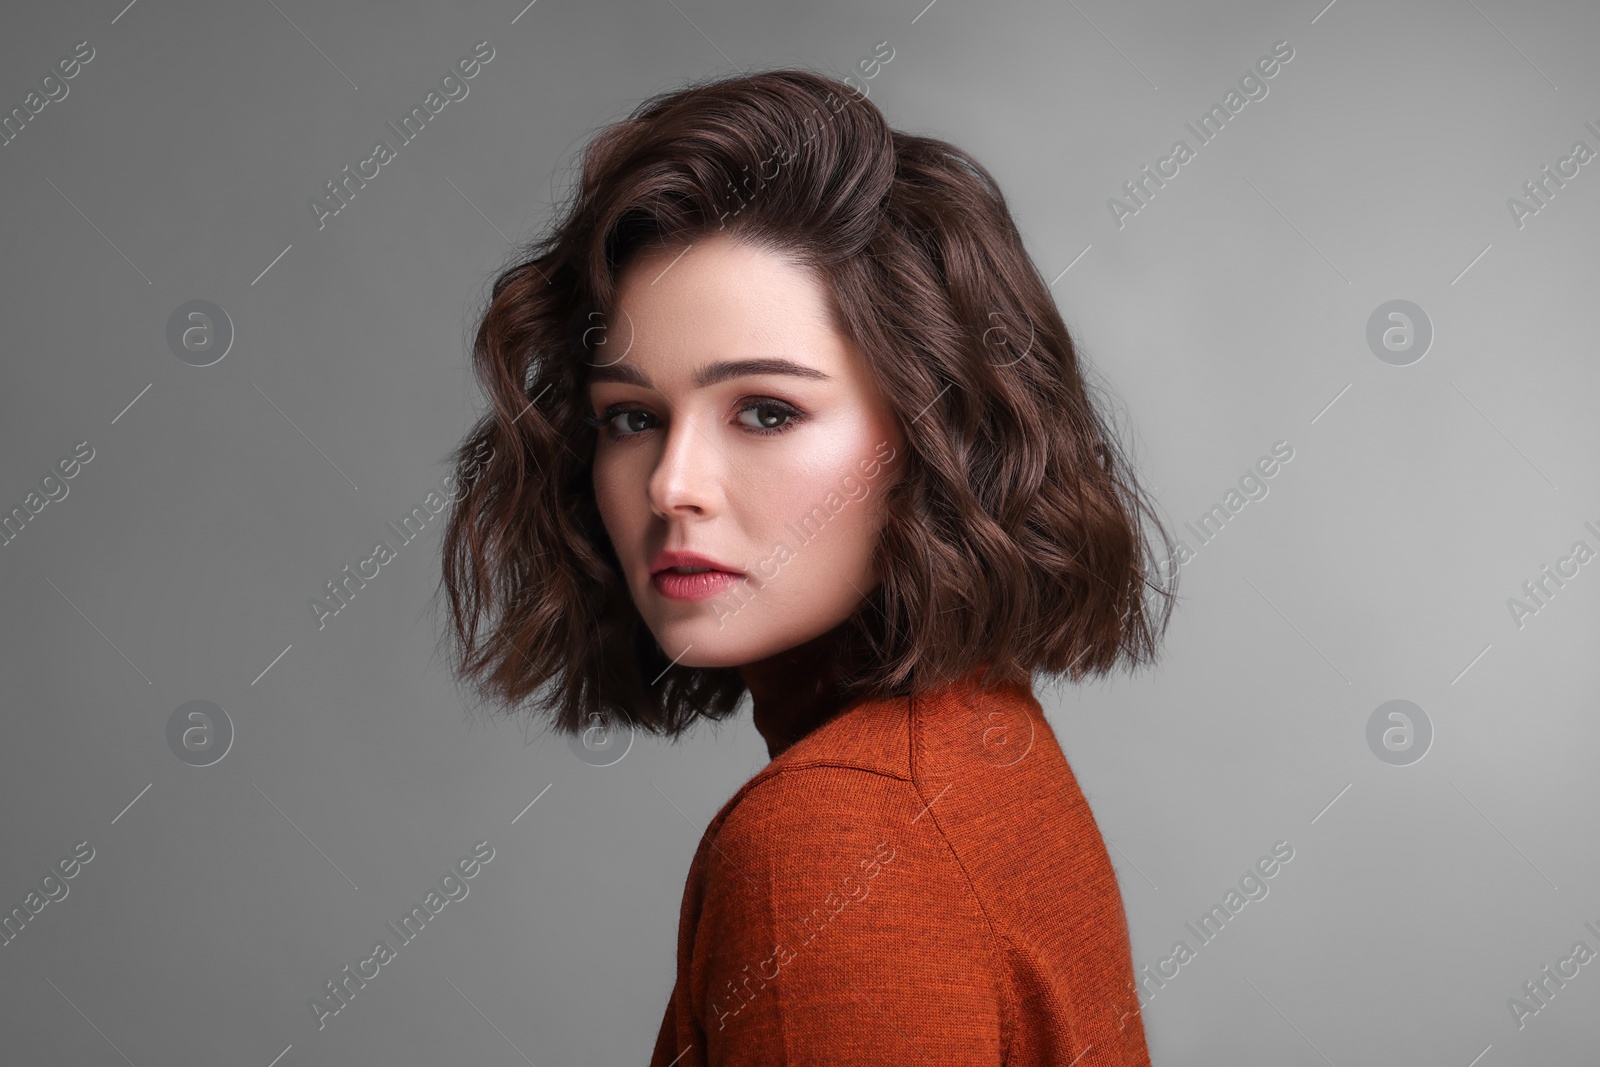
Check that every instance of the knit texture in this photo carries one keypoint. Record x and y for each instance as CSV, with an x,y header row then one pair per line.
x,y
918,880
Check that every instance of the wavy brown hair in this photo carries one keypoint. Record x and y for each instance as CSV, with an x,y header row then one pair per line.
x,y
1015,540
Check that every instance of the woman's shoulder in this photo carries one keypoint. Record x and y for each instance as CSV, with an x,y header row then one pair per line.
x,y
808,832
796,811
897,736
879,765
814,876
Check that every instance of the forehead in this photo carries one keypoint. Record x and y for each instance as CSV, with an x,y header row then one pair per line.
x,y
723,299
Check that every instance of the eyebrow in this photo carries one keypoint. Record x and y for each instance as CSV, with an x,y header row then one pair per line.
x,y
710,374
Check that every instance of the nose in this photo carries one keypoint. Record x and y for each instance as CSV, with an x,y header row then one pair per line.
x,y
686,477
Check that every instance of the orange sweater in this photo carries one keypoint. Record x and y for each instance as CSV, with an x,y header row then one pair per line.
x,y
918,880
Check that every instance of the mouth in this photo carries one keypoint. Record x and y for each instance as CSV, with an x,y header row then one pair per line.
x,y
690,582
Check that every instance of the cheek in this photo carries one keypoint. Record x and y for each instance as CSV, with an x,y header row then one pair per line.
x,y
832,532
611,497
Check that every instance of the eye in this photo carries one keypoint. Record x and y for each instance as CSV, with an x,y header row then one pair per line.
x,y
772,417
628,418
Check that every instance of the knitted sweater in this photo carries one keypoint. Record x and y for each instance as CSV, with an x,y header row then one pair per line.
x,y
917,880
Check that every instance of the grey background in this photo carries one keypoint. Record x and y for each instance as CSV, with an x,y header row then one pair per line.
x,y
1230,313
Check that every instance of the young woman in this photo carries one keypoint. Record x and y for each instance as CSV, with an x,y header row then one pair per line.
x,y
782,406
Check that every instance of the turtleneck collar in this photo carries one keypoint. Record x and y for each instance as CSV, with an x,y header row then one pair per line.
x,y
797,690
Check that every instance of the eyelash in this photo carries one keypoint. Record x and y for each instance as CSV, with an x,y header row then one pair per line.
x,y
793,417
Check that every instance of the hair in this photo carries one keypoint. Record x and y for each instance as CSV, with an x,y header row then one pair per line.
x,y
1014,540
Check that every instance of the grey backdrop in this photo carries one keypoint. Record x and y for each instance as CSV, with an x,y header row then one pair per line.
x,y
1229,312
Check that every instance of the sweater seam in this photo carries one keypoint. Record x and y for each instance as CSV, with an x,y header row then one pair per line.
x,y
1001,964
1006,945
713,830
766,776
824,761
768,773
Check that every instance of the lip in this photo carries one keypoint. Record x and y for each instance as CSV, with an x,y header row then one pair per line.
x,y
700,586
669,558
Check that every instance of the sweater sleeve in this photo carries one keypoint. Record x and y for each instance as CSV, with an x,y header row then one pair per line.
x,y
837,927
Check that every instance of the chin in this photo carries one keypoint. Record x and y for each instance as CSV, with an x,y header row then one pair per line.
x,y
703,643
707,641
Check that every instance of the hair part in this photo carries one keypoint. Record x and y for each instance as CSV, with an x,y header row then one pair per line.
x,y
1017,539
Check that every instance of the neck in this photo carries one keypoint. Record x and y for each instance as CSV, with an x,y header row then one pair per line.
x,y
795,691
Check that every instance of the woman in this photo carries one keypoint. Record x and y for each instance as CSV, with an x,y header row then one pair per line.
x,y
781,405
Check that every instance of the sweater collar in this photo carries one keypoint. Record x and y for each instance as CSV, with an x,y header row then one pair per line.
x,y
795,691
798,690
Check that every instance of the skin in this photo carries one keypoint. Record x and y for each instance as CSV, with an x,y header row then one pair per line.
x,y
692,471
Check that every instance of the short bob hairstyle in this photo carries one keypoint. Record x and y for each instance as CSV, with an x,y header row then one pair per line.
x,y
1013,542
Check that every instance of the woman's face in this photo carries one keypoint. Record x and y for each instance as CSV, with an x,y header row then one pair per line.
x,y
742,428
